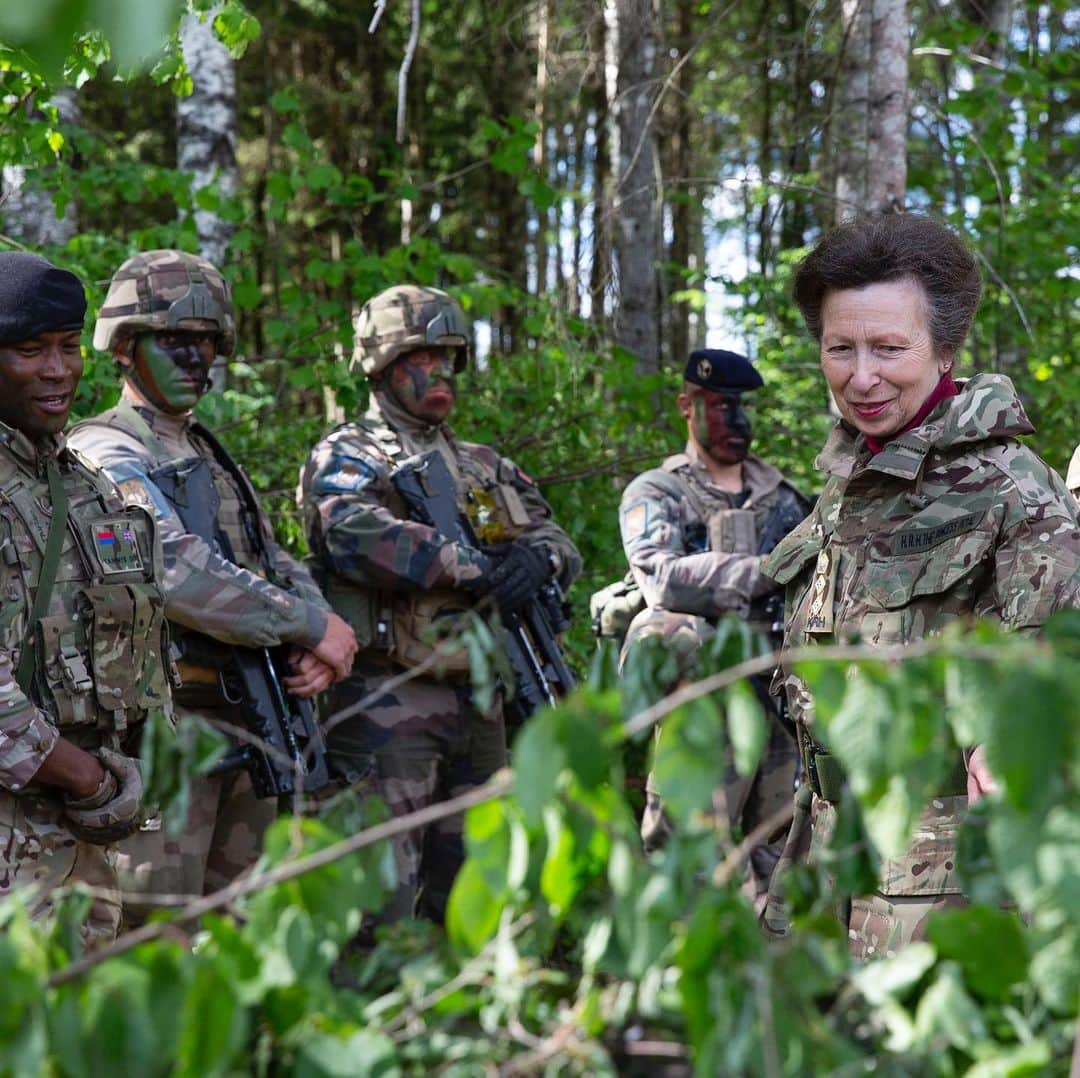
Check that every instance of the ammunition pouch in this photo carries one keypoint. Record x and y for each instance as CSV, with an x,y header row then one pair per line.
x,y
733,531
368,612
426,621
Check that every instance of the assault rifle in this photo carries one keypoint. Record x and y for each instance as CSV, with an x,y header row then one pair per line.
x,y
530,638
286,751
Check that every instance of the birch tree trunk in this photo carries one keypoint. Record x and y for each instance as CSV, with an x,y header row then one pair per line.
x,y
872,112
206,128
29,210
633,24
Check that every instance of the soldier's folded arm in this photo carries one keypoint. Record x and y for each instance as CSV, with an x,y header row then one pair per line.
x,y
364,542
31,748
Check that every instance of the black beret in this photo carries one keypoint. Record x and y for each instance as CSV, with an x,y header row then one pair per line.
x,y
37,297
720,371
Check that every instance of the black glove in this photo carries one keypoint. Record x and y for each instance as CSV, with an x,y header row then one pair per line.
x,y
518,576
114,810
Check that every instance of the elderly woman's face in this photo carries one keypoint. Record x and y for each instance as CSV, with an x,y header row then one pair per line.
x,y
877,354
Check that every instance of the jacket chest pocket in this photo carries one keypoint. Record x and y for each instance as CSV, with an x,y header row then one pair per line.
x,y
904,597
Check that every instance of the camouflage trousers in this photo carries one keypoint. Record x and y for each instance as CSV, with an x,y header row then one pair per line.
x,y
412,746
222,836
39,853
742,804
910,887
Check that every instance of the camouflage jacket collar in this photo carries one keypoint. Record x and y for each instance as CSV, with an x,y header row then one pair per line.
x,y
986,407
28,452
163,424
759,478
383,409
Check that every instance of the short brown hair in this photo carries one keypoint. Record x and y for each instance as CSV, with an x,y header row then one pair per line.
x,y
886,248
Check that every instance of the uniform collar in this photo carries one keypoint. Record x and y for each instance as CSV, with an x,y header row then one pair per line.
x,y
759,478
384,407
986,407
30,452
162,423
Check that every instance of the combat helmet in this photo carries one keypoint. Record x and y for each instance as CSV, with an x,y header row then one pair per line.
x,y
405,317
162,290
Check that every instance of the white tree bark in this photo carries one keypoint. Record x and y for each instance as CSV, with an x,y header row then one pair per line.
x,y
632,29
28,209
870,126
206,128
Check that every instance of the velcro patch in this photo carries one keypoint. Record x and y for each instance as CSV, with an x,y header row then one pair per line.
x,y
635,520
916,540
350,475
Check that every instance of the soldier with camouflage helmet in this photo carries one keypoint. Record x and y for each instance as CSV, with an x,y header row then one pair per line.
x,y
166,317
695,531
82,635
394,579
933,512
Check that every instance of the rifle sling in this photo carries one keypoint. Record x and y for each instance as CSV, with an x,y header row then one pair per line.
x,y
54,545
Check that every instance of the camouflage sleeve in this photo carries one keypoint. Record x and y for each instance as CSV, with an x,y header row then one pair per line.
x,y
542,529
203,590
1037,571
345,494
654,519
26,734
298,574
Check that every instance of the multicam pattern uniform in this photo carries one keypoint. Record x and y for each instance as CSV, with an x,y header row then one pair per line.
x,y
692,549
231,603
391,577
953,519
100,661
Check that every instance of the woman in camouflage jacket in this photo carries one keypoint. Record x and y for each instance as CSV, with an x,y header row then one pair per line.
x,y
932,511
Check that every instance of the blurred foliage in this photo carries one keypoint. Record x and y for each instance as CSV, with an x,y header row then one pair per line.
x,y
567,949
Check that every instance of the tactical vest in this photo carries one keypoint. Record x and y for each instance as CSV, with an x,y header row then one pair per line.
x,y
101,647
233,513
244,534
727,530
407,625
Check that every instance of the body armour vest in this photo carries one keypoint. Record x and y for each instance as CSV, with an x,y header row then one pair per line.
x,y
173,440
408,624
101,644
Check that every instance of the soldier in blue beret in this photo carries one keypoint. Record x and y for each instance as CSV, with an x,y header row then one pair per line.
x,y
694,531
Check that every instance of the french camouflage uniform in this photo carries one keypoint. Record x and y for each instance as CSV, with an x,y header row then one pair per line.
x,y
954,519
231,603
693,550
394,580
99,668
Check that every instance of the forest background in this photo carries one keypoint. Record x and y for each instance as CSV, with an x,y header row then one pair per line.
x,y
604,186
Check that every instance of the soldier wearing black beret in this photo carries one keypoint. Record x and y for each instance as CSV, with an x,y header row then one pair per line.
x,y
77,674
694,531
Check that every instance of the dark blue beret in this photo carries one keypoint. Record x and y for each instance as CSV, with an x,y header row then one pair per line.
x,y
722,371
37,297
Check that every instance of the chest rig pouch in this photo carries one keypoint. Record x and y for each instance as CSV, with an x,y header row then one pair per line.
x,y
101,647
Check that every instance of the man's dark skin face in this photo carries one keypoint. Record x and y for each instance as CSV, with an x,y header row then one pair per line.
x,y
172,367
422,382
717,423
38,377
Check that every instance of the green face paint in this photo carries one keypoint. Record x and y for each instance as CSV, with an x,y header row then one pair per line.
x,y
172,369
720,426
423,384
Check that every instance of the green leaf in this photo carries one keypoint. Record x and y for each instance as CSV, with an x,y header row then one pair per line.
x,y
212,1025
987,944
894,977
558,877
362,1054
746,726
473,910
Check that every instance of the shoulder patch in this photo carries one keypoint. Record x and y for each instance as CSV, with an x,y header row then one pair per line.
x,y
346,475
635,520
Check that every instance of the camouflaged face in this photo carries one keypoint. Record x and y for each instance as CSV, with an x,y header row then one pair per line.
x,y
407,317
166,290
